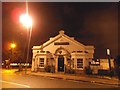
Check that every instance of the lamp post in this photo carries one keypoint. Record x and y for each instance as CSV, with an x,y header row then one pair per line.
x,y
12,46
108,54
26,20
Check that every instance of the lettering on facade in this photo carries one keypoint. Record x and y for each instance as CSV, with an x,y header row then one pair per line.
x,y
61,43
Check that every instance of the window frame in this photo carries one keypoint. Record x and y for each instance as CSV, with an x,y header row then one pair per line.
x,y
41,62
80,63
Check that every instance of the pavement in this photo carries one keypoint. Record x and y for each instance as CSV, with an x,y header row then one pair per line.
x,y
83,78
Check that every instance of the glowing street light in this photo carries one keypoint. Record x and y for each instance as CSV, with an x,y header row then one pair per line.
x,y
108,51
26,20
13,45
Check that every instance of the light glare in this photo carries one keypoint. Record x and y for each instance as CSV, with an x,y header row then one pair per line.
x,y
26,20
108,51
13,45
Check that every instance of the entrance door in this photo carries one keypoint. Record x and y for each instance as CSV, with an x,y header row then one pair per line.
x,y
60,63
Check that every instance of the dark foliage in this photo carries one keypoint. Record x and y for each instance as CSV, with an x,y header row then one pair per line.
x,y
49,68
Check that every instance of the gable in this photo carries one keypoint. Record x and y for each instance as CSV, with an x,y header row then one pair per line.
x,y
62,40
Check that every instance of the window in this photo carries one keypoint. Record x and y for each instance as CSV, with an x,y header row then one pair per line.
x,y
48,51
79,51
41,62
42,51
85,51
79,63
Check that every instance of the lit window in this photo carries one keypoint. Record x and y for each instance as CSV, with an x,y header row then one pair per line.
x,y
79,63
41,62
37,51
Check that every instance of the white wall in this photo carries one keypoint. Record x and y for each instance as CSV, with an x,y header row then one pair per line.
x,y
71,47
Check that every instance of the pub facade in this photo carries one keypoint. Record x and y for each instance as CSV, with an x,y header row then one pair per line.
x,y
62,52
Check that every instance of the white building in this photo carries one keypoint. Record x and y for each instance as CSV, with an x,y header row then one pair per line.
x,y
61,52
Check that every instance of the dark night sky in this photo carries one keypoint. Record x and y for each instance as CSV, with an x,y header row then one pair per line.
x,y
89,22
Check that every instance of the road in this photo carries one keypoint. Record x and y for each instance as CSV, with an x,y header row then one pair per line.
x,y
18,80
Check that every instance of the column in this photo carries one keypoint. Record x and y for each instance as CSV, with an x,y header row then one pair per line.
x,y
33,62
56,63
65,62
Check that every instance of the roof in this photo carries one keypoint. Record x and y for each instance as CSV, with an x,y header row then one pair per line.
x,y
61,34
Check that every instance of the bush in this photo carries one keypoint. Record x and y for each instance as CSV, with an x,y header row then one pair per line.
x,y
103,72
49,68
112,72
52,69
69,70
88,70
72,71
106,72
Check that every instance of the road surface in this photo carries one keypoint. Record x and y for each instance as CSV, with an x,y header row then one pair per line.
x,y
18,80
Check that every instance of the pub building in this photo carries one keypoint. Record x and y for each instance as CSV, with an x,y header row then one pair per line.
x,y
60,52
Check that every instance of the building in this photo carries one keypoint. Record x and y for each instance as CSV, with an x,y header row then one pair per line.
x,y
62,52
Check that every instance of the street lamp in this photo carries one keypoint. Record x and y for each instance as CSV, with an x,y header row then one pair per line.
x,y
108,54
26,20
12,46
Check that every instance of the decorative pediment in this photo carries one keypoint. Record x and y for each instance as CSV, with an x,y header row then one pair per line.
x,y
61,39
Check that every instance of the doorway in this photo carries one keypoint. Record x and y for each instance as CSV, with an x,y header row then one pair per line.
x,y
61,63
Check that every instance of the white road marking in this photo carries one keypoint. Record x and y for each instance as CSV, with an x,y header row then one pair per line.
x,y
15,83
